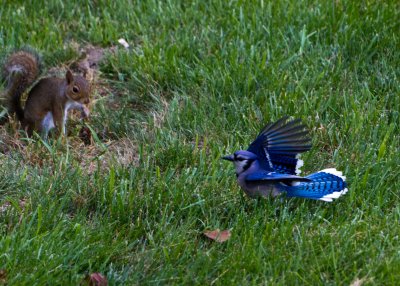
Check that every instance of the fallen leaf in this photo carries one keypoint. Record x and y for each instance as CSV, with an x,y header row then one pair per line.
x,y
3,276
217,235
85,135
97,279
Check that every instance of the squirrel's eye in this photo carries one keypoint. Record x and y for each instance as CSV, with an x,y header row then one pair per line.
x,y
75,89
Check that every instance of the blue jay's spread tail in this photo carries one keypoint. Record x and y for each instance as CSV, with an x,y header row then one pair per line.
x,y
271,165
325,185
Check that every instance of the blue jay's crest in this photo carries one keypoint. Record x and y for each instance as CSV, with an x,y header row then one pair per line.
x,y
271,166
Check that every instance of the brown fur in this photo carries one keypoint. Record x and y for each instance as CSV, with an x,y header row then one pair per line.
x,y
50,97
20,71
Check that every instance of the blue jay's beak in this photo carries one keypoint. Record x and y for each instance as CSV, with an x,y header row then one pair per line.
x,y
228,157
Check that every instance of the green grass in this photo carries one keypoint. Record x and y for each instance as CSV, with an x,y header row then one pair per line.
x,y
200,80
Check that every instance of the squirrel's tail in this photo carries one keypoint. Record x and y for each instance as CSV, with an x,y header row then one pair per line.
x,y
20,71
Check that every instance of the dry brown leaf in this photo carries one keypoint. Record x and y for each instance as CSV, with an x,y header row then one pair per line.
x,y
85,135
3,276
97,279
218,235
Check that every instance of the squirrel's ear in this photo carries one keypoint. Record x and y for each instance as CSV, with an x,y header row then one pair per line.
x,y
69,76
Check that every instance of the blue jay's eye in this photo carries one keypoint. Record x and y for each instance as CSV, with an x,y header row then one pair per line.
x,y
240,159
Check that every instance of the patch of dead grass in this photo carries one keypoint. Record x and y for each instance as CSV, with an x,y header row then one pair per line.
x,y
9,141
122,152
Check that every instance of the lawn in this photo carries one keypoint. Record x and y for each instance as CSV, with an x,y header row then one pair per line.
x,y
199,80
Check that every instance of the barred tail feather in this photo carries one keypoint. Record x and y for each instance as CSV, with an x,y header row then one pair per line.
x,y
326,185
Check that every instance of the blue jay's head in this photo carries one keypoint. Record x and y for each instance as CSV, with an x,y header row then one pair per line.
x,y
242,160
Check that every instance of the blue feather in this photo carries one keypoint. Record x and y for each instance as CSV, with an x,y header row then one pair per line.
x,y
286,165
325,185
273,176
284,138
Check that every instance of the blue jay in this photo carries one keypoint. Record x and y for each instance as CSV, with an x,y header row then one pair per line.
x,y
271,165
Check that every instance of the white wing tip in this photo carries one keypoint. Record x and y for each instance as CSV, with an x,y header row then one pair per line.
x,y
334,172
299,164
334,195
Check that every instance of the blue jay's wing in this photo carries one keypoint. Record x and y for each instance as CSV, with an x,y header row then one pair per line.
x,y
274,177
278,144
286,164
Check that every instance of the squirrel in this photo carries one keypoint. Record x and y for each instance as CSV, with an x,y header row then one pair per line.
x,y
49,100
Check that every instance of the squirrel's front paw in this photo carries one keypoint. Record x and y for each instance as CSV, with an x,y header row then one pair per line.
x,y
85,111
